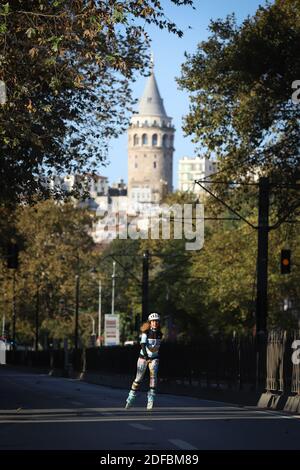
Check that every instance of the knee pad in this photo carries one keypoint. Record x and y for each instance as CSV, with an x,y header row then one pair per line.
x,y
135,385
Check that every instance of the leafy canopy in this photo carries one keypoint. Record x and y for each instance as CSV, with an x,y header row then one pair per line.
x,y
67,66
241,107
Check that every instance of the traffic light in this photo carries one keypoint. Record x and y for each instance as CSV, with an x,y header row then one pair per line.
x,y
12,256
285,262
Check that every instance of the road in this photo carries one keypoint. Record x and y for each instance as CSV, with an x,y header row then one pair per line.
x,y
38,412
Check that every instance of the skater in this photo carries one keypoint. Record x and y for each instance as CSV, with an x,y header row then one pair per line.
x,y
150,343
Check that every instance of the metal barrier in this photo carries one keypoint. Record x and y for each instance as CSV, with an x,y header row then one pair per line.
x,y
211,362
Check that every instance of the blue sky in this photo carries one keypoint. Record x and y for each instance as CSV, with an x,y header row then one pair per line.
x,y
168,56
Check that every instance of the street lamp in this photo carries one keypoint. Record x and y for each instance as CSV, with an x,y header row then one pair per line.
x,y
99,311
39,277
99,306
3,325
113,289
76,311
37,314
145,286
3,99
4,294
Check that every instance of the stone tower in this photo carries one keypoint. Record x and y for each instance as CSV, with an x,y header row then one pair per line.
x,y
150,148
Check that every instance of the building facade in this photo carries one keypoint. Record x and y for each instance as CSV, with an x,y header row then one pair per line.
x,y
194,168
150,149
96,185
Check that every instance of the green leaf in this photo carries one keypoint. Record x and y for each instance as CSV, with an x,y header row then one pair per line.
x,y
3,28
119,17
6,8
30,33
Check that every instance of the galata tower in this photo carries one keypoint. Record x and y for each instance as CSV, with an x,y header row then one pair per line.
x,y
150,148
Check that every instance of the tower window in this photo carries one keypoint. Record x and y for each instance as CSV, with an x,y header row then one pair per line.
x,y
144,139
135,165
154,139
135,140
154,164
165,140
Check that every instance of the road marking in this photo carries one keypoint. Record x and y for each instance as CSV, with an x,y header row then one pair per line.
x,y
83,419
81,413
183,445
278,413
287,417
141,427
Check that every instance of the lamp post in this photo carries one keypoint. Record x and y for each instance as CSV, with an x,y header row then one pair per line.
x,y
145,286
2,292
94,273
93,334
3,99
76,311
3,319
99,312
113,289
37,309
14,311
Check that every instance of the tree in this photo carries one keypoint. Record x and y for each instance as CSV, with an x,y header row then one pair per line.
x,y
56,246
128,257
240,83
67,66
210,291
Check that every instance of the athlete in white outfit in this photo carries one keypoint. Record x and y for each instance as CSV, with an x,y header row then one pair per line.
x,y
150,344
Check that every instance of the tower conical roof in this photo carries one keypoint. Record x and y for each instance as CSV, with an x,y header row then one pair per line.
x,y
151,102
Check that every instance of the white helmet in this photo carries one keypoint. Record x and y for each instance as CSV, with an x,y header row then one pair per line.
x,y
154,316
